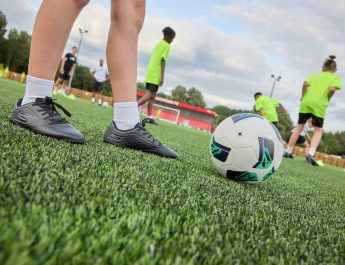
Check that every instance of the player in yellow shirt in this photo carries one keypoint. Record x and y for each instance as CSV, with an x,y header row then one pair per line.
x,y
317,91
155,71
267,107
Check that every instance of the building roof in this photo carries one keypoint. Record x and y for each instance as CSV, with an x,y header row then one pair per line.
x,y
180,104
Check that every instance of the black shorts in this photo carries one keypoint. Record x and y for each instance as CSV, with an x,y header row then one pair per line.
x,y
152,87
97,86
64,76
316,121
301,139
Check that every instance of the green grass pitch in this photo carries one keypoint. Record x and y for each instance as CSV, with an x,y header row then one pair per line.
x,y
98,204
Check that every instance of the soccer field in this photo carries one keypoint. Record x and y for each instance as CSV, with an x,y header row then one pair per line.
x,y
98,204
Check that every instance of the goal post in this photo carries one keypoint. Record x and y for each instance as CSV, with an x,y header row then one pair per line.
x,y
164,113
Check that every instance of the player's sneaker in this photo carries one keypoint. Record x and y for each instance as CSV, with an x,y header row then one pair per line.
x,y
311,160
287,155
137,138
41,117
149,120
70,96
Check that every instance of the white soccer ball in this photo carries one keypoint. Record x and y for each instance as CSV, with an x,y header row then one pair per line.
x,y
247,148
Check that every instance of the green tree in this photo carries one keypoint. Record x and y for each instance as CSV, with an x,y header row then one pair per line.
x,y
179,93
330,144
18,48
341,139
3,41
195,97
82,78
223,112
163,95
285,124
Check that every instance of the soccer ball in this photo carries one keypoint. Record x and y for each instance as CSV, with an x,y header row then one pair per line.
x,y
247,148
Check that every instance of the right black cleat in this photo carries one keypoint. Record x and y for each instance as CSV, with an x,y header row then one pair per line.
x,y
311,160
287,155
137,138
41,117
149,120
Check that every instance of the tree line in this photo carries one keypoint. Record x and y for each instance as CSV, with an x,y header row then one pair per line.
x,y
14,53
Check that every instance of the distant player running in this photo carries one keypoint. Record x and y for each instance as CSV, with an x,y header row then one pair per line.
x,y
155,71
303,138
67,67
267,107
317,91
101,75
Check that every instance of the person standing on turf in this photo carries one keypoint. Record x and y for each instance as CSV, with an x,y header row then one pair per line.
x,y
67,67
100,75
38,112
155,71
303,138
317,91
267,107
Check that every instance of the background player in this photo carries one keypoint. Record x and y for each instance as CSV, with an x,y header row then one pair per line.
x,y
317,91
155,71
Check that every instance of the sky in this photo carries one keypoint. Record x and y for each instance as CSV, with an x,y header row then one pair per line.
x,y
226,49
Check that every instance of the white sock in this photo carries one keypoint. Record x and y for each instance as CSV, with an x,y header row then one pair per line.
x,y
289,149
93,100
312,151
99,102
37,88
126,115
150,117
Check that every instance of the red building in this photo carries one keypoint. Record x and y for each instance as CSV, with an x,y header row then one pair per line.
x,y
181,113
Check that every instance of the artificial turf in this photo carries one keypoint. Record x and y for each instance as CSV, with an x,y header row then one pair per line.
x,y
97,204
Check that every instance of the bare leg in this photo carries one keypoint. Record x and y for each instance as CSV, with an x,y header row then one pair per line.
x,y
149,107
144,99
316,138
50,34
295,134
127,18
306,146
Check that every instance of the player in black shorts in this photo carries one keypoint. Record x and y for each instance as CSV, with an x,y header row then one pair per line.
x,y
67,67
100,75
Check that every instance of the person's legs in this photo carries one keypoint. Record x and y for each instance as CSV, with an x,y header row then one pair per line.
x,y
150,106
127,18
294,137
306,148
46,48
315,140
49,37
126,130
144,99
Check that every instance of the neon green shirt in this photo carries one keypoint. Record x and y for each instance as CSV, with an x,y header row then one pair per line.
x,y
315,99
154,68
269,107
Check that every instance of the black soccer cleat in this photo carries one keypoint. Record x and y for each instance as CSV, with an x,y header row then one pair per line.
x,y
287,155
41,117
149,120
137,138
311,160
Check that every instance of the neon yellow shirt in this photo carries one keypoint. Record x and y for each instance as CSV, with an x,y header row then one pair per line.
x,y
154,68
315,100
269,107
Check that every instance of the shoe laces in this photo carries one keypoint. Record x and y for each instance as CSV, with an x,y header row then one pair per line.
x,y
49,108
141,127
